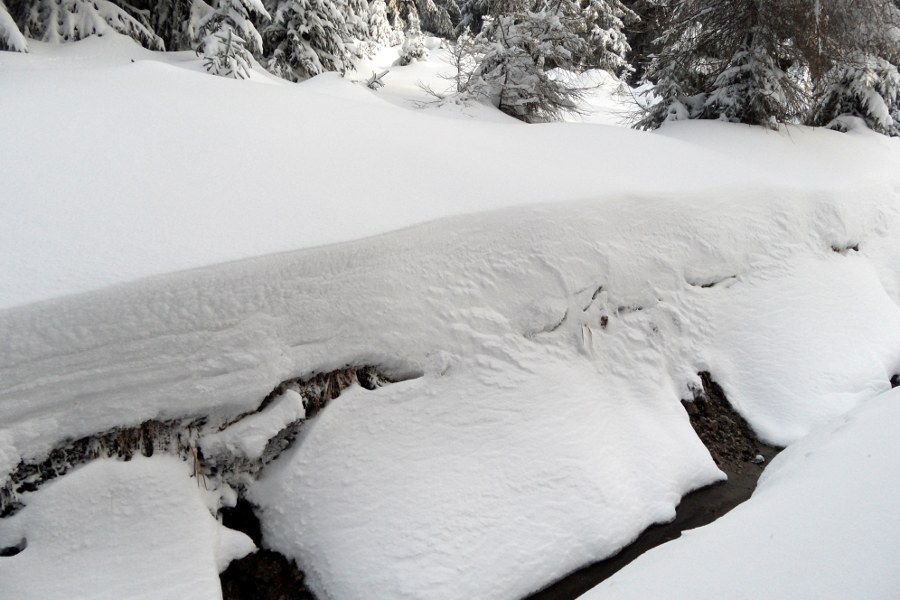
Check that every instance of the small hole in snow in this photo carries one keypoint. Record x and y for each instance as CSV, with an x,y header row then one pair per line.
x,y
845,248
13,550
242,518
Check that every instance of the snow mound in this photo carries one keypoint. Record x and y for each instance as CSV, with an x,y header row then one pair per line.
x,y
796,349
822,524
513,474
209,170
248,437
140,529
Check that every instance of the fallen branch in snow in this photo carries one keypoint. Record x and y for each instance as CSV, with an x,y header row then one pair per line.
x,y
374,82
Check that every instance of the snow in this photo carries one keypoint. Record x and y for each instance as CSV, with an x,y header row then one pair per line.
x,y
397,493
848,344
822,523
140,529
249,436
145,177
549,294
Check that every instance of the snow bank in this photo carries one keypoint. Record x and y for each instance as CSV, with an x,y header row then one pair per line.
x,y
823,523
140,529
138,172
554,341
484,484
248,437
820,338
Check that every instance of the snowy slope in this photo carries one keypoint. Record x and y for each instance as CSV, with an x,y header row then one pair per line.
x,y
143,172
823,523
545,343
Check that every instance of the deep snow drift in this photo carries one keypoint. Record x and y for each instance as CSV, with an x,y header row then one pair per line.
x,y
111,529
142,172
822,524
544,345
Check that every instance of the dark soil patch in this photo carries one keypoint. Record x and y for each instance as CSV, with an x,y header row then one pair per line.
x,y
736,450
895,381
711,283
319,389
171,437
844,248
242,518
728,437
13,550
263,575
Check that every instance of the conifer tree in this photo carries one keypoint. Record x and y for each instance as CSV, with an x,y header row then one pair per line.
x,y
517,51
178,22
601,24
868,88
521,42
438,16
305,38
752,88
722,60
760,61
356,16
472,13
229,36
72,20
10,36
380,30
413,44
643,33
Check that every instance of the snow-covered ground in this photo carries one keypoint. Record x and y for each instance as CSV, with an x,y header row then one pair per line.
x,y
111,529
823,523
548,294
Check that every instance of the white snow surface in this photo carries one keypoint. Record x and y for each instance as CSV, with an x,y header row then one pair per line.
x,y
146,175
545,342
503,482
111,529
822,523
248,437
846,356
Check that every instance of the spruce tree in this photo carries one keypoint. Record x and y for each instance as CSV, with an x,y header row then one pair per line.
x,y
601,24
228,36
305,38
752,88
643,33
72,20
472,13
176,23
868,88
517,51
356,16
438,16
521,43
413,43
761,61
10,36
723,60
380,30
862,78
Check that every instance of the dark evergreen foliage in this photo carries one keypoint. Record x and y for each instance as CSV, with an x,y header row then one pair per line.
x,y
763,62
